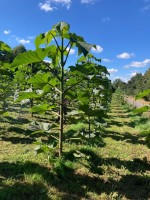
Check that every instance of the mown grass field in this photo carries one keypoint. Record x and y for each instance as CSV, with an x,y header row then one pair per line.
x,y
118,169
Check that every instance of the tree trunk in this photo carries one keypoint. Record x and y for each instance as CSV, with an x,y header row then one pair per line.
x,y
61,102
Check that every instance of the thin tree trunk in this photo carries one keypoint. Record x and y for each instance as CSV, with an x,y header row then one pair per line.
x,y
31,105
61,102
31,100
89,121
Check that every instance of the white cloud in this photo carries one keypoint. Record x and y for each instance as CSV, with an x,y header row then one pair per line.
x,y
106,60
112,70
125,55
98,49
133,74
106,19
146,61
47,61
87,1
48,5
138,64
6,32
66,3
23,41
72,51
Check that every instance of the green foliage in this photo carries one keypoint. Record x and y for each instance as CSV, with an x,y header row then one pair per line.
x,y
41,109
30,57
17,50
4,47
53,87
141,109
118,84
145,128
143,94
137,86
5,75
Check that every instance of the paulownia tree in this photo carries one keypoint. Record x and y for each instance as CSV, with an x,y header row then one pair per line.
x,y
55,45
92,86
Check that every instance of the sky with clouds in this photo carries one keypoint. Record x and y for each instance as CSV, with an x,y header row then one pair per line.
x,y
119,28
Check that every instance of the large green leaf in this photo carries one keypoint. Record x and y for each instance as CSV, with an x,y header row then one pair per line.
x,y
72,81
53,82
85,69
27,95
101,69
31,57
143,94
142,109
40,39
84,48
90,57
4,47
40,80
75,38
61,28
41,109
43,126
49,36
54,54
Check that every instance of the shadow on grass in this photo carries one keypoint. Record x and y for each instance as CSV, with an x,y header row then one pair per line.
x,y
24,191
138,121
18,140
93,161
127,137
137,165
73,137
13,120
17,135
122,115
114,123
72,184
19,130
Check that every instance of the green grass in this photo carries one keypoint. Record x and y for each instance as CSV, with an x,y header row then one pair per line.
x,y
118,169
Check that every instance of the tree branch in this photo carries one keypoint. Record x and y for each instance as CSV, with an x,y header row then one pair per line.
x,y
56,42
73,85
51,70
68,51
67,45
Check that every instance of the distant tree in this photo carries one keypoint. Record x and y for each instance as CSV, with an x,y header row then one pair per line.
x,y
18,49
118,84
146,83
135,85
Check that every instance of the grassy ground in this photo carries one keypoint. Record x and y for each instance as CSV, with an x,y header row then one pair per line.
x,y
118,169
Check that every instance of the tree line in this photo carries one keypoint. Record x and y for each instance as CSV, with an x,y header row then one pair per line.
x,y
137,84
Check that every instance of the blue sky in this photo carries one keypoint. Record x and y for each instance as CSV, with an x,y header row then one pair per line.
x,y
119,28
